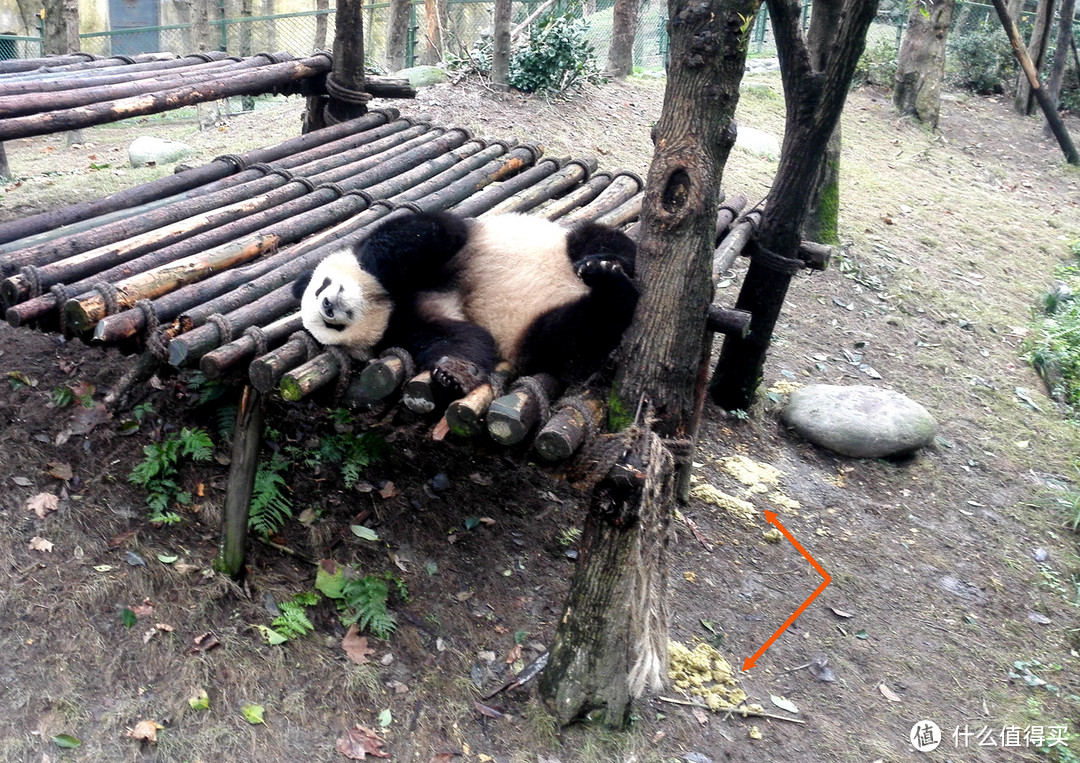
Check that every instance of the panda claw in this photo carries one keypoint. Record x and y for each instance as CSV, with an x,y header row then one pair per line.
x,y
457,376
593,269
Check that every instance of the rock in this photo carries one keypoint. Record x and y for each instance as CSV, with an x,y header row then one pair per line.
x,y
420,76
148,150
758,142
860,421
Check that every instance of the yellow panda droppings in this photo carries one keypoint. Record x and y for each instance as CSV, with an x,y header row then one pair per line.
x,y
703,672
750,472
784,387
742,510
755,733
781,500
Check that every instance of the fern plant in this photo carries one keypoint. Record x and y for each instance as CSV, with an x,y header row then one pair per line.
x,y
353,453
364,602
159,470
293,621
270,506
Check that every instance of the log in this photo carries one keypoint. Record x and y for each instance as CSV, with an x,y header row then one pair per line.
x,y
571,174
78,62
216,363
500,169
623,214
287,223
726,215
439,172
388,87
496,195
85,311
21,105
511,417
567,429
165,69
815,256
165,187
465,417
734,243
728,321
580,196
381,378
266,371
276,77
308,377
622,188
419,393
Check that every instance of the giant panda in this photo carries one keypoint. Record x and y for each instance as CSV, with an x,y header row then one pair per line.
x,y
461,294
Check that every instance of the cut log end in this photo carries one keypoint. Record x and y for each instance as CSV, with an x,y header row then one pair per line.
x,y
419,393
382,377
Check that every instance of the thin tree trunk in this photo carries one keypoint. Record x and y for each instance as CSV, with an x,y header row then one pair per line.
x,y
823,215
500,57
397,34
1036,49
345,84
436,16
920,66
60,36
321,23
612,640
208,113
814,99
1061,55
624,23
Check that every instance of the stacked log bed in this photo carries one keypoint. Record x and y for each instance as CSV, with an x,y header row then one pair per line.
x,y
196,268
42,96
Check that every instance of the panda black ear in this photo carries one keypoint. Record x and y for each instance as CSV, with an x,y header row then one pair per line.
x,y
301,283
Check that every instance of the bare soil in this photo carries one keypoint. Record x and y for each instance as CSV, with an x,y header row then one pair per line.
x,y
953,572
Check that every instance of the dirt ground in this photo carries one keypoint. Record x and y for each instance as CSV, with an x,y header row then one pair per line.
x,y
955,587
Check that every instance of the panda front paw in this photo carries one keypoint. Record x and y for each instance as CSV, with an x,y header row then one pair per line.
x,y
456,376
596,270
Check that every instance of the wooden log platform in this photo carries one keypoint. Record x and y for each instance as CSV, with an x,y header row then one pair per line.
x,y
198,268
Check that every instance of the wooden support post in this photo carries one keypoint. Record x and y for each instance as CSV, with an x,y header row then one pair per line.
x,y
565,432
232,546
513,416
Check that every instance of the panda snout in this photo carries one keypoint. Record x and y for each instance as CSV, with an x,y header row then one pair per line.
x,y
327,307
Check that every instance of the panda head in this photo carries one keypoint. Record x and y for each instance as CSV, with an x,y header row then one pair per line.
x,y
342,304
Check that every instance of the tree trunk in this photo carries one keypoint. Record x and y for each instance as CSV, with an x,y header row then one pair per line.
x,y
1061,55
612,640
814,99
1036,49
436,16
60,36
920,66
322,6
823,215
208,113
397,35
500,57
620,61
345,84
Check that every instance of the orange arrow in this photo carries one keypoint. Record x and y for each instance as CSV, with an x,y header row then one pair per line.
x,y
770,517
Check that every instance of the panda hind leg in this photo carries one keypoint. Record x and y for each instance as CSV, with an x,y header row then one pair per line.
x,y
460,355
590,243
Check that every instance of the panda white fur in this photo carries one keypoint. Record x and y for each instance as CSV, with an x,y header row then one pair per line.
x,y
462,294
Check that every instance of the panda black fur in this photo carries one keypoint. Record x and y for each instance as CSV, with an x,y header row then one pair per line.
x,y
461,294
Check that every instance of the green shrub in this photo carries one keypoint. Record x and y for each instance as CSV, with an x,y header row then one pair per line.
x,y
877,65
159,470
1054,343
557,57
981,59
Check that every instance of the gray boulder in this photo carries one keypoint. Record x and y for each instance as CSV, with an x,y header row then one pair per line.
x,y
859,421
146,150
757,142
421,76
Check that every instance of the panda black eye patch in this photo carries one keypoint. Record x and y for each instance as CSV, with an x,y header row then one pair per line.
x,y
325,283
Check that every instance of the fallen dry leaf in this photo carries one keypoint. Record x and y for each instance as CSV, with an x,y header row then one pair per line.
x,y
60,470
145,609
118,540
487,710
84,421
514,654
206,642
700,716
145,731
389,490
359,742
42,503
888,693
40,544
356,646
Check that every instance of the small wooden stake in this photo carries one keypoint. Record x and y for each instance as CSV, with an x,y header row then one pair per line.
x,y
232,547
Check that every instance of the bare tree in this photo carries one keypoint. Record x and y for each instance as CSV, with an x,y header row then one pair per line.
x,y
814,95
60,35
1065,42
920,67
500,56
823,214
612,640
620,62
